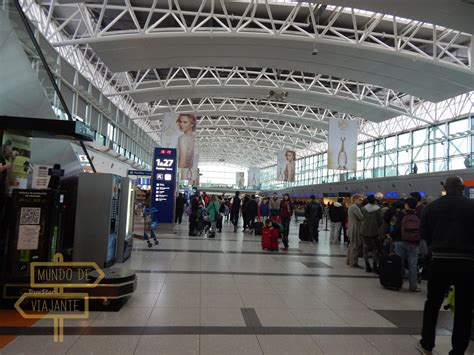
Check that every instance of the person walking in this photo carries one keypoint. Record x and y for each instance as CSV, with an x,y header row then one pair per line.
x,y
193,218
355,218
264,209
235,210
212,210
336,216
447,226
178,218
313,213
286,211
245,214
252,212
370,232
274,205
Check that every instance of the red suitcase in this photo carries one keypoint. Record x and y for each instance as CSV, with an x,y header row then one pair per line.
x,y
274,238
266,238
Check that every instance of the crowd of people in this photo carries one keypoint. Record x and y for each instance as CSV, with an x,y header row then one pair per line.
x,y
437,234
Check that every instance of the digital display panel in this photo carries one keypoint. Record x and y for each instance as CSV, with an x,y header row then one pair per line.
x,y
164,184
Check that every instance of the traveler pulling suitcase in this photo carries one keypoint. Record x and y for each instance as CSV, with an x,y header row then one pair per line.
x,y
304,232
391,272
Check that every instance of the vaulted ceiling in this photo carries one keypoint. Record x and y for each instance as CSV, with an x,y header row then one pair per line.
x,y
262,75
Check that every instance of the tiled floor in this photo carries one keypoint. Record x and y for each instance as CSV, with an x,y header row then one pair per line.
x,y
227,296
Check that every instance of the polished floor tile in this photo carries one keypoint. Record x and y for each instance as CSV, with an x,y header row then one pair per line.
x,y
288,344
106,344
229,344
226,296
168,345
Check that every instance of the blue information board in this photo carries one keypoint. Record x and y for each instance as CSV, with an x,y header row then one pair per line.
x,y
163,181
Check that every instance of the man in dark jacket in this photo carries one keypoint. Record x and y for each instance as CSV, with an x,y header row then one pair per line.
x,y
252,211
337,214
193,218
179,208
235,210
313,213
447,225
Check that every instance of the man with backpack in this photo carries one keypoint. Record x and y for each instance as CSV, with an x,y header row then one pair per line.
x,y
407,240
447,226
313,213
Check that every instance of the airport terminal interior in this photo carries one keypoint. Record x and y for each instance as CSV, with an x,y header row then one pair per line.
x,y
236,177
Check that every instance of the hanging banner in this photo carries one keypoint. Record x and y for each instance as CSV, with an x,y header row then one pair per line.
x,y
342,144
164,184
191,175
179,131
240,178
253,177
286,165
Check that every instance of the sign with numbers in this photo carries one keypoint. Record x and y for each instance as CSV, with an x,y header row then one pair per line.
x,y
164,184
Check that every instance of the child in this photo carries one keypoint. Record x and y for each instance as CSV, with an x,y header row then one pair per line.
x,y
203,221
270,236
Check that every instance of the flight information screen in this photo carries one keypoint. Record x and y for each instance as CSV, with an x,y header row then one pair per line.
x,y
164,184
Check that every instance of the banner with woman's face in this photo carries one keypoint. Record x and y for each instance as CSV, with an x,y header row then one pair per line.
x,y
191,174
286,165
179,131
253,177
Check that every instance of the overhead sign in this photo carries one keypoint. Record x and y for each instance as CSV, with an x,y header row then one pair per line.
x,y
139,173
164,184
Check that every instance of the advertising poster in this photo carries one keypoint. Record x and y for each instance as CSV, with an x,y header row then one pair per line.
x,y
286,165
240,178
164,184
253,177
179,131
191,175
16,150
342,144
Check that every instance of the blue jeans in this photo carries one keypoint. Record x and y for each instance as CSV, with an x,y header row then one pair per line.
x,y
409,252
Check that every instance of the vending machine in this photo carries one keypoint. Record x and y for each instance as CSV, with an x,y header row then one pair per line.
x,y
96,225
126,214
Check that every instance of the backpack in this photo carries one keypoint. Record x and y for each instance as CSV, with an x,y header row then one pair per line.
x,y
410,228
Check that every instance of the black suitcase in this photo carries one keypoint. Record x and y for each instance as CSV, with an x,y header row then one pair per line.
x,y
304,232
257,228
391,272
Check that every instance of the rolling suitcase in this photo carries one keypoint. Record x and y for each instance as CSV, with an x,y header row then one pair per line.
x,y
391,272
266,238
257,228
304,232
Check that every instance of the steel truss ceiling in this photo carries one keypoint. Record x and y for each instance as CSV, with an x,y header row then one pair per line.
x,y
232,102
303,88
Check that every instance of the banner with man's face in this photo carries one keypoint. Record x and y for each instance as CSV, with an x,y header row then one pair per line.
x,y
286,165
179,131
